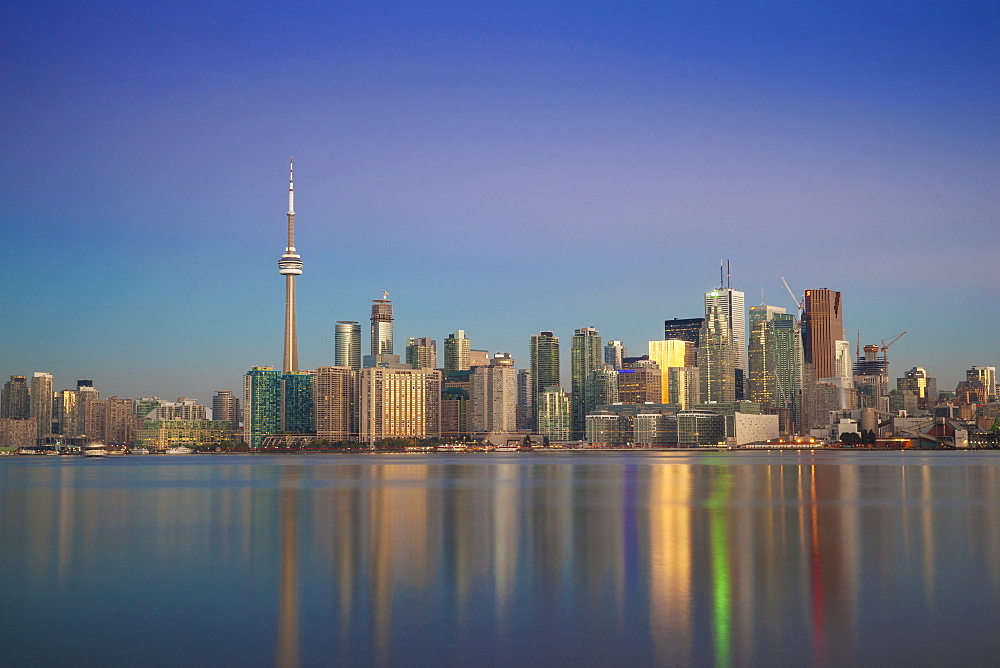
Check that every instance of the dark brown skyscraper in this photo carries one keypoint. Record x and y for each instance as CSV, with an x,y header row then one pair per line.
x,y
822,325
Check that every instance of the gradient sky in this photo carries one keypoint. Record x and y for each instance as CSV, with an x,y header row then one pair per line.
x,y
530,166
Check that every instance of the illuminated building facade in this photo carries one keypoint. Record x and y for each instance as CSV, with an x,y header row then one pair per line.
x,y
554,415
667,354
457,348
347,344
334,403
261,404
398,403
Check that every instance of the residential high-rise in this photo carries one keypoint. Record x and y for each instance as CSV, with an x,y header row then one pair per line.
x,y
554,414
456,351
89,417
478,357
525,401
717,355
586,354
347,344
334,399
382,325
544,352
41,402
685,329
261,404
669,353
297,403
822,326
14,401
290,266
120,423
66,414
398,403
493,396
226,407
640,382
421,352
614,353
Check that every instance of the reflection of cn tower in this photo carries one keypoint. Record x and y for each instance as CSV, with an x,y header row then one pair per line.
x,y
290,266
288,589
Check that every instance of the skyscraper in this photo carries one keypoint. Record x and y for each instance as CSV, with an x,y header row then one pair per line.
x,y
544,351
382,325
347,344
421,352
457,348
554,415
41,402
717,355
731,303
14,399
669,353
614,353
290,266
525,401
261,404
586,355
822,326
987,375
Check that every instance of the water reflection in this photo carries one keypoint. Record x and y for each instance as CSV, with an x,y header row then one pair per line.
x,y
665,559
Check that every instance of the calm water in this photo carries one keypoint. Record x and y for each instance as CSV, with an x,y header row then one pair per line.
x,y
540,559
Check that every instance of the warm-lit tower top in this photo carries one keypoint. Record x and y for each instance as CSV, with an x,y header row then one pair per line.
x,y
290,263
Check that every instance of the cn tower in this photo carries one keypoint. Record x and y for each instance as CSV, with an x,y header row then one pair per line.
x,y
290,266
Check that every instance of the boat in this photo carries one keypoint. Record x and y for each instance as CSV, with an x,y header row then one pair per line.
x,y
178,450
451,447
95,450
139,451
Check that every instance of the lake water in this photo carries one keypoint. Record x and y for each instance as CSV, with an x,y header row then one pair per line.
x,y
513,559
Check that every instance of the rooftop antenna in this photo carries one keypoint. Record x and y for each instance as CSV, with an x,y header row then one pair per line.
x,y
722,280
729,276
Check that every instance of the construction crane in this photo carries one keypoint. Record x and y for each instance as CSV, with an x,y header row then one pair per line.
x,y
885,354
801,304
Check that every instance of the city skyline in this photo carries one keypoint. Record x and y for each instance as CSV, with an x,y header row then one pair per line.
x,y
147,195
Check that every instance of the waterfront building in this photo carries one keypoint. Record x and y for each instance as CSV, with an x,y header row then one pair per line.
x,y
700,428
120,422
492,403
822,327
297,403
14,402
454,412
544,352
381,326
401,403
290,266
456,351
261,404
421,352
89,413
586,354
18,432
685,329
668,353
40,402
226,407
655,429
717,355
334,403
554,415
525,401
347,344
162,434
685,385
614,353
602,430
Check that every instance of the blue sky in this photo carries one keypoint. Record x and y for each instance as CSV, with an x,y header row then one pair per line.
x,y
505,170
